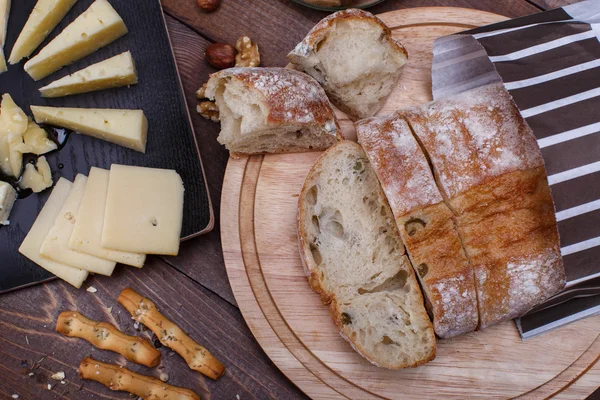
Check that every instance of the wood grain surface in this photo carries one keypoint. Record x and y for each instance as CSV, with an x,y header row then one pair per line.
x,y
260,196
196,278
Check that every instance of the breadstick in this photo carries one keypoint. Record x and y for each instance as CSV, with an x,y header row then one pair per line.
x,y
107,337
118,378
170,335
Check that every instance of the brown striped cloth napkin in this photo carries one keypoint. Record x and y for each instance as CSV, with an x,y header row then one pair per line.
x,y
550,63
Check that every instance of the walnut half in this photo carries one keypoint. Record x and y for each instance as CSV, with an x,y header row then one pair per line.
x,y
248,54
208,110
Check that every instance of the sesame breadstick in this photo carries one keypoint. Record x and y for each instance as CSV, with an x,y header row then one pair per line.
x,y
170,335
107,337
118,378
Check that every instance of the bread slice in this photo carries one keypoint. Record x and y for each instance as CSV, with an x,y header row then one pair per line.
x,y
352,54
491,173
425,223
272,110
354,258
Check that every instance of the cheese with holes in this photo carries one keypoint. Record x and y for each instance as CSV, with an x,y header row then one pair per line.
x,y
13,124
30,247
38,178
8,195
98,26
127,128
144,210
87,232
56,244
43,19
115,72
4,13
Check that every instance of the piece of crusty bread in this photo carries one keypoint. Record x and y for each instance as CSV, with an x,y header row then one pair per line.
x,y
354,258
425,223
272,110
352,54
491,173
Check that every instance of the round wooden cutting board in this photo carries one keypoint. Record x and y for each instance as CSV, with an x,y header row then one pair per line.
x,y
258,230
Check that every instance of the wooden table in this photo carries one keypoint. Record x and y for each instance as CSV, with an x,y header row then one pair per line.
x,y
192,288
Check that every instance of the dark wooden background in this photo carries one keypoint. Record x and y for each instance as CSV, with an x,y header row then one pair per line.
x,y
192,289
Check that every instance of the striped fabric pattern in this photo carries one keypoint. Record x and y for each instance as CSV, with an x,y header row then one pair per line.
x,y
550,63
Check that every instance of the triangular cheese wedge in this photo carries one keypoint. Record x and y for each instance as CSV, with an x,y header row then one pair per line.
x,y
43,19
4,12
98,26
115,72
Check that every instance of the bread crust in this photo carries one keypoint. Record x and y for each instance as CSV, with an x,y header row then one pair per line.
x,y
315,279
291,97
425,223
491,172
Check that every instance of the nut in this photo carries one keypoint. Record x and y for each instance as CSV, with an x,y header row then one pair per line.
x,y
208,5
248,54
221,55
208,110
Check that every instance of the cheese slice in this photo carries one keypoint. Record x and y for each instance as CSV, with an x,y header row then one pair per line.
x,y
128,128
43,19
4,13
38,178
144,210
87,232
8,195
98,26
56,244
13,124
30,247
115,72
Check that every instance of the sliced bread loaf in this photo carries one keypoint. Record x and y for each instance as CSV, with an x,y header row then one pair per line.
x,y
354,258
352,54
272,110
425,222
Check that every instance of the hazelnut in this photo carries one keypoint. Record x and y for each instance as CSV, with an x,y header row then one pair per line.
x,y
221,55
208,5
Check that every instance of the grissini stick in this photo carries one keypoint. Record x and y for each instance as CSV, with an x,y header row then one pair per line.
x,y
107,337
118,378
170,335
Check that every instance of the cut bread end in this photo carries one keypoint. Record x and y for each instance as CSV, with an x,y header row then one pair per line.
x,y
354,57
250,125
354,258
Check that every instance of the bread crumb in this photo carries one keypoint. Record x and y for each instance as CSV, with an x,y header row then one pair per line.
x,y
49,387
58,376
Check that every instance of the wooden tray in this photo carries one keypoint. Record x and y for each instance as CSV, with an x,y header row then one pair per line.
x,y
171,140
258,218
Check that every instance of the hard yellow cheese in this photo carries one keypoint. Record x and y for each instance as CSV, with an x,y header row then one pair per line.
x,y
43,19
98,26
8,196
30,247
4,13
13,124
144,210
38,178
87,232
56,244
127,128
115,72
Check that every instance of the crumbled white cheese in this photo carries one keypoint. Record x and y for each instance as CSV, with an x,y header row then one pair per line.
x,y
91,289
58,376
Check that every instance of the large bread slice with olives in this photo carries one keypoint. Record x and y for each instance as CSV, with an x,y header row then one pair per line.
x,y
354,258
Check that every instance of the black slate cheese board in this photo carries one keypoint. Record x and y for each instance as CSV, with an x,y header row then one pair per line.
x,y
171,142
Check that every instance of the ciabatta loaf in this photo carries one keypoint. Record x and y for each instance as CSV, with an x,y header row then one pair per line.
x,y
425,223
352,54
490,170
272,110
354,258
